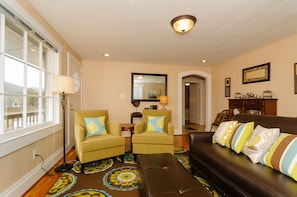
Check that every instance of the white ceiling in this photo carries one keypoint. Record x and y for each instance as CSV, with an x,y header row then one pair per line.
x,y
140,31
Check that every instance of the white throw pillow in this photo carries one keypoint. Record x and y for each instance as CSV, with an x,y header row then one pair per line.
x,y
223,132
260,141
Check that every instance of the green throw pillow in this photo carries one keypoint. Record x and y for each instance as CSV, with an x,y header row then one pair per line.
x,y
282,155
95,126
155,124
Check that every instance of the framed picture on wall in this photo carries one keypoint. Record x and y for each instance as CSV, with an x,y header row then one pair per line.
x,y
256,74
227,87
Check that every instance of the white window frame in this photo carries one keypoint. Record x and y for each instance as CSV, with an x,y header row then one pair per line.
x,y
15,140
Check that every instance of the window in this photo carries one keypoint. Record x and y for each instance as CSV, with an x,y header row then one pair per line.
x,y
27,69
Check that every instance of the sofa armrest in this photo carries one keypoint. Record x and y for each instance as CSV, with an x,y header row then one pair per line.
x,y
114,129
139,128
200,137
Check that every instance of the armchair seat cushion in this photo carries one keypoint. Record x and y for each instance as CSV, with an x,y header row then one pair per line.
x,y
101,142
153,138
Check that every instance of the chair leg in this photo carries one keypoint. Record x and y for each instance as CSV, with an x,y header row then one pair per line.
x,y
82,171
122,158
135,158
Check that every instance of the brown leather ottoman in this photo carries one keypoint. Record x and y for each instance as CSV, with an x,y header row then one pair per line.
x,y
163,175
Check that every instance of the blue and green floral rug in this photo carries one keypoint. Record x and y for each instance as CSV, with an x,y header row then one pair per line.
x,y
111,177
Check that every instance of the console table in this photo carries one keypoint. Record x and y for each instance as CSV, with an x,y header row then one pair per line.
x,y
253,106
135,115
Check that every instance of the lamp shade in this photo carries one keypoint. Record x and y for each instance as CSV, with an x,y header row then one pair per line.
x,y
163,100
183,23
63,84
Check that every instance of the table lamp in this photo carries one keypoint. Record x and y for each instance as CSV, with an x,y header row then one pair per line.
x,y
163,101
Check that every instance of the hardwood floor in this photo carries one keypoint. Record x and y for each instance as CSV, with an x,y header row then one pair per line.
x,y
46,182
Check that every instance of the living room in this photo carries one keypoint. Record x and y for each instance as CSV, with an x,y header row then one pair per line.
x,y
106,84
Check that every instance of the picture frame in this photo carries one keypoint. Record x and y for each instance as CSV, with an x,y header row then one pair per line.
x,y
295,78
254,74
227,87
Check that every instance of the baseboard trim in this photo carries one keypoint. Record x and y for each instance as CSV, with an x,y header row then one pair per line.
x,y
25,183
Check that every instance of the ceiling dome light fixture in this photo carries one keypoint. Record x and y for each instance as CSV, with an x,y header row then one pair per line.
x,y
183,24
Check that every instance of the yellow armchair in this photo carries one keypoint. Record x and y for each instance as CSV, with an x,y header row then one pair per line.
x,y
98,147
144,142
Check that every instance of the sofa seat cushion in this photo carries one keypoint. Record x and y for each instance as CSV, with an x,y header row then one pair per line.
x,y
101,142
152,138
239,171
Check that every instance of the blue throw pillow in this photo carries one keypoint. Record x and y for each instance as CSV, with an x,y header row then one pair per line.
x,y
155,124
95,126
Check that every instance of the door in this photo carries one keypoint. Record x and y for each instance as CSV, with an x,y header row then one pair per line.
x,y
194,103
74,100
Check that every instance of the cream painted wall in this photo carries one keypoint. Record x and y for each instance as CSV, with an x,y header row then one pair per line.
x,y
282,55
107,85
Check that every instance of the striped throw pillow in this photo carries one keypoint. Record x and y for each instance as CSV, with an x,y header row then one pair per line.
x,y
240,136
282,156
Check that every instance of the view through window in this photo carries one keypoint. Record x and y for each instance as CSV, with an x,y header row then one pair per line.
x,y
27,70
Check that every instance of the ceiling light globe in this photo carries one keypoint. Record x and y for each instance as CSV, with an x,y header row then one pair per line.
x,y
183,23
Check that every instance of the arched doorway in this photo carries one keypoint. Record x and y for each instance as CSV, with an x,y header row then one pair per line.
x,y
207,78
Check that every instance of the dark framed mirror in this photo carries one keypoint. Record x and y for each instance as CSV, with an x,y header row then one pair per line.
x,y
148,87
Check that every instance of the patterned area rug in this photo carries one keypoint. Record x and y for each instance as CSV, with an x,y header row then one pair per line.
x,y
94,167
111,177
123,178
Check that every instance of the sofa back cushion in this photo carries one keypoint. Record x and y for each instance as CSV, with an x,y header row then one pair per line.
x,y
286,124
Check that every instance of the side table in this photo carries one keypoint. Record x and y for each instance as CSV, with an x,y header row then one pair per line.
x,y
128,127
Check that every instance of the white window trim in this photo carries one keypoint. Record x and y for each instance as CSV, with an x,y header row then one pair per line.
x,y
26,17
13,141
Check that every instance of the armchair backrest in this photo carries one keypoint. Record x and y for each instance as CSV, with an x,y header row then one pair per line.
x,y
167,113
81,114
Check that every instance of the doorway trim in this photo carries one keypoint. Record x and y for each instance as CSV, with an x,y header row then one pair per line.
x,y
207,97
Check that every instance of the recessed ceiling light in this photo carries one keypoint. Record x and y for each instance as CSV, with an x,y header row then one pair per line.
x,y
203,61
106,54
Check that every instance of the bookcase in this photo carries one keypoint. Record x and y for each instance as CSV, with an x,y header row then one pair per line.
x,y
253,106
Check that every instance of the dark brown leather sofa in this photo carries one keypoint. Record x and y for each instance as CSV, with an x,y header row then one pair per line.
x,y
234,174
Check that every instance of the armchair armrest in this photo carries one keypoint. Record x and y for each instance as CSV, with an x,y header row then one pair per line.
x,y
170,129
80,134
197,137
114,129
139,128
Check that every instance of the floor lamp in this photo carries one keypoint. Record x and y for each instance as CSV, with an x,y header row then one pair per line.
x,y
63,85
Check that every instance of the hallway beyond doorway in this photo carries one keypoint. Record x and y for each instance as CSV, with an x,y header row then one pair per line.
x,y
192,127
